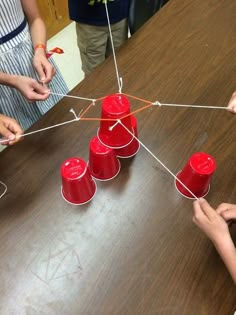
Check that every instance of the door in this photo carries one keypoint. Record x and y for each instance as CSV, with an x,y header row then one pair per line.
x,y
55,15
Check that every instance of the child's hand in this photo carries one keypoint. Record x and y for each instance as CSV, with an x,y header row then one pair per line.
x,y
10,130
43,67
232,103
31,89
210,222
227,211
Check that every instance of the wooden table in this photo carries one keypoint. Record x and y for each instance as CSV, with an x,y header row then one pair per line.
x,y
134,248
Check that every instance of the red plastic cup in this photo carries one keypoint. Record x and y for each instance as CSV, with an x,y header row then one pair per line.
x,y
78,186
132,148
196,175
114,107
103,163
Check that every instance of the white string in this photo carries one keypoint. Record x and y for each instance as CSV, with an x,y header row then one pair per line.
x,y
159,161
77,118
119,79
5,186
121,85
113,126
193,106
77,97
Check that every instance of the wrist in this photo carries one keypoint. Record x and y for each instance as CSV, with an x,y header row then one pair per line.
x,y
224,244
8,79
40,46
40,49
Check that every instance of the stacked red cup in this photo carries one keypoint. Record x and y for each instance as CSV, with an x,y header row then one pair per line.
x,y
133,147
111,133
103,162
116,137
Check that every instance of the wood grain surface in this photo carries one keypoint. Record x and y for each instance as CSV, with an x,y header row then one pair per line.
x,y
134,249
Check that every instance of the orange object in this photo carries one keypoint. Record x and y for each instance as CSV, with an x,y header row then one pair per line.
x,y
55,50
40,46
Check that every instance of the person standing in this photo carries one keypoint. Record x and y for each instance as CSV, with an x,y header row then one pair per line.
x,y
92,28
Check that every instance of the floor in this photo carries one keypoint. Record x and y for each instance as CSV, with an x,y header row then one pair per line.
x,y
68,63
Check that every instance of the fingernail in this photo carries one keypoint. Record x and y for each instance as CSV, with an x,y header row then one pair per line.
x,y
11,137
42,79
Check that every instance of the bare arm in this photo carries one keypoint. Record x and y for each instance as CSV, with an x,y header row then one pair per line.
x,y
216,228
227,251
28,87
38,34
36,24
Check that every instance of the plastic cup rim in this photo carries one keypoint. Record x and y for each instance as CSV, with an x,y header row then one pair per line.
x,y
123,146
83,203
129,156
201,173
72,179
107,179
192,198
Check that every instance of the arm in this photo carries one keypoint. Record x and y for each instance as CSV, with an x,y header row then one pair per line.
x,y
232,103
28,87
38,34
215,227
10,130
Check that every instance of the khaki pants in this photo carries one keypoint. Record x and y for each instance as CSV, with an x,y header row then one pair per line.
x,y
94,42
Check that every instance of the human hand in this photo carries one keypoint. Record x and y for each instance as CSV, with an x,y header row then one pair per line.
x,y
43,67
10,130
31,89
227,211
232,104
210,222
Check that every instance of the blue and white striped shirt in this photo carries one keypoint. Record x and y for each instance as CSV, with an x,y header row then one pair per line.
x,y
11,16
16,58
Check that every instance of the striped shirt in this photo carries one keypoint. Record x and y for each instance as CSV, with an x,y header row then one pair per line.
x,y
16,57
11,16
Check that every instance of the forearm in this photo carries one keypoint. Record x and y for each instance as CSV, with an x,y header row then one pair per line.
x,y
36,24
227,251
8,79
38,31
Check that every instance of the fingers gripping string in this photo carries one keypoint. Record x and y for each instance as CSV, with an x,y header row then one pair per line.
x,y
77,118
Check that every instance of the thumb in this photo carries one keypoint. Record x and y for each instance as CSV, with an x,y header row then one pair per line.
x,y
6,133
39,88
